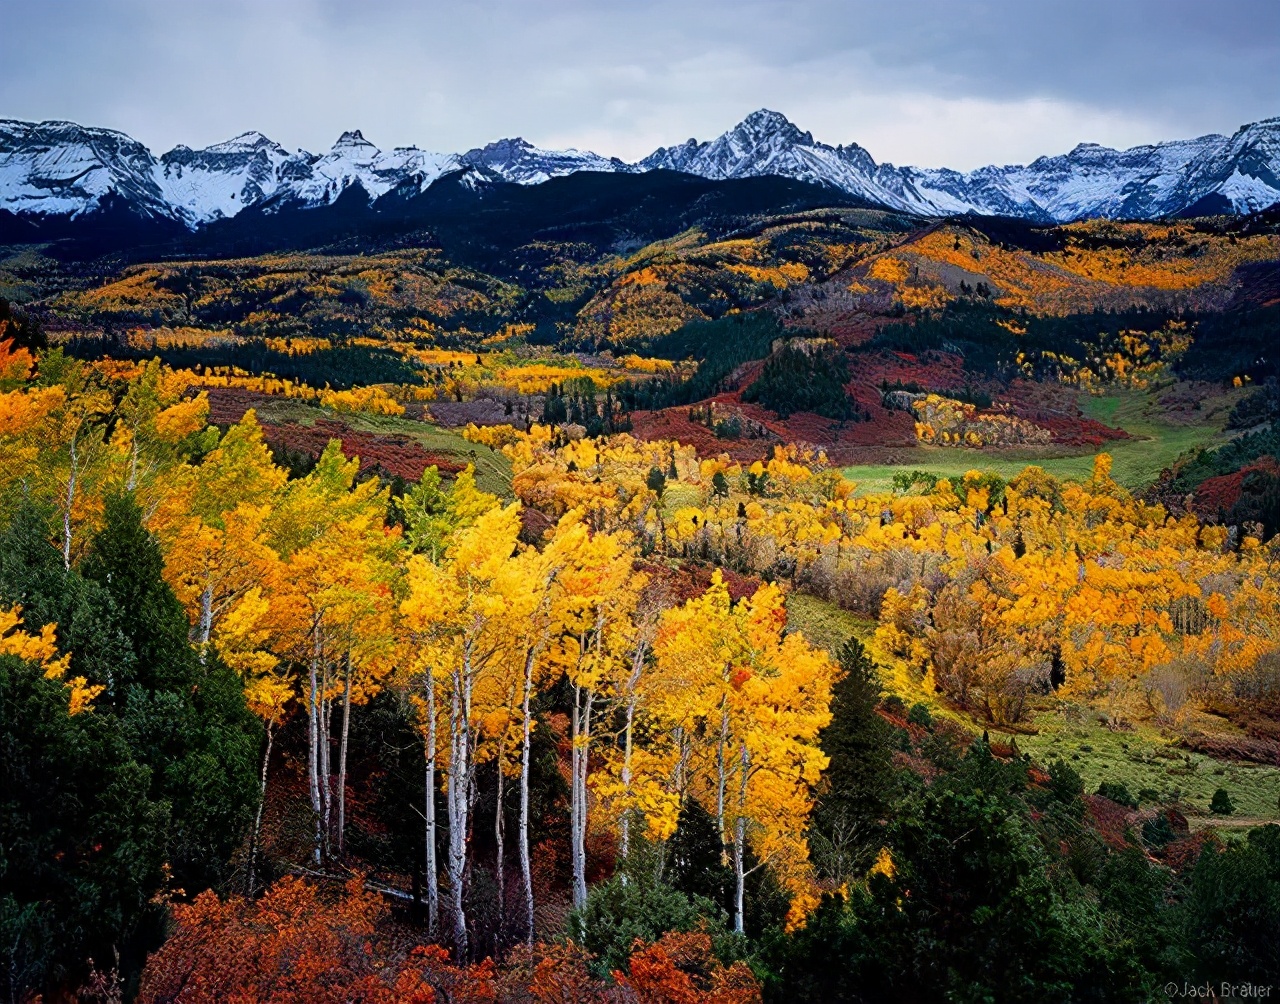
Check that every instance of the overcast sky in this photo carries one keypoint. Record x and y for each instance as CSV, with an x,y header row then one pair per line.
x,y
958,83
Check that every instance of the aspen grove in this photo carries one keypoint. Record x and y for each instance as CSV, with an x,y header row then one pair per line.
x,y
506,652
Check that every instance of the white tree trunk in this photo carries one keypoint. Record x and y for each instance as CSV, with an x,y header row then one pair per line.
x,y
342,754
582,700
722,773
459,795
326,774
430,866
740,840
526,870
257,819
313,744
633,684
625,844
206,619
499,835
740,832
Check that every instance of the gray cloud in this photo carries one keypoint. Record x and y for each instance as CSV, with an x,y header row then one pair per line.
x,y
924,81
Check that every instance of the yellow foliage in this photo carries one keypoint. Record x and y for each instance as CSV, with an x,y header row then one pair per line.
x,y
42,649
373,400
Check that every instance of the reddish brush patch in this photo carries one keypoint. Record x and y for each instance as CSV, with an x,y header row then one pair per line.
x,y
882,429
227,405
930,371
1054,407
1185,852
1240,748
1220,494
688,580
917,765
842,442
394,456
1112,821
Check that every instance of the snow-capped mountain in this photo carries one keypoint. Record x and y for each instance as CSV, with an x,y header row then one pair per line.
x,y
65,169
353,159
220,180
1242,171
61,169
522,162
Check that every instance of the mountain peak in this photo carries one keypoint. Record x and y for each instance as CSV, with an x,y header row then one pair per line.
x,y
508,146
246,142
766,118
352,137
764,123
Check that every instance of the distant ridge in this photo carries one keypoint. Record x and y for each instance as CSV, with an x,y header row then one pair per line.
x,y
65,170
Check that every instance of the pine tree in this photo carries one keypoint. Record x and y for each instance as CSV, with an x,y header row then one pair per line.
x,y
858,784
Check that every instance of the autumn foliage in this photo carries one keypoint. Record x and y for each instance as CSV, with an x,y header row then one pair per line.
x,y
300,943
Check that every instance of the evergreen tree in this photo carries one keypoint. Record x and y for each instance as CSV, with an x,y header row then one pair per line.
x,y
125,561
82,837
1234,909
656,482
186,724
695,856
858,784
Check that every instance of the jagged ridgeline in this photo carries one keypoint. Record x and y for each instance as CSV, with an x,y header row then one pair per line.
x,y
61,178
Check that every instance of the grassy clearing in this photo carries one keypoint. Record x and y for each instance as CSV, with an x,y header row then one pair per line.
x,y
493,470
1146,759
823,623
1135,462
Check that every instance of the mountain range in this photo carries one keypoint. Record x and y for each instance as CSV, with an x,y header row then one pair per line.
x,y
55,170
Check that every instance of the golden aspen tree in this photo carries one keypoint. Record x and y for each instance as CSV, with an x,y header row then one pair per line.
x,y
214,531
596,592
455,606
325,529
763,699
432,514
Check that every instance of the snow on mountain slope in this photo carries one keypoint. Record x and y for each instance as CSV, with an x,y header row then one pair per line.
x,y
525,164
316,181
220,180
64,169
1091,180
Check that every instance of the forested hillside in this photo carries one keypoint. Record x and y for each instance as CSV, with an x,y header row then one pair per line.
x,y
640,588
630,721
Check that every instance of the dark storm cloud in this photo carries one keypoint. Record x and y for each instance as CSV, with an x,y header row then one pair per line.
x,y
927,82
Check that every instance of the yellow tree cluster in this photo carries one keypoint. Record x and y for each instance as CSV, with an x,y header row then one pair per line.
x,y
948,422
1076,587
320,591
1080,587
291,581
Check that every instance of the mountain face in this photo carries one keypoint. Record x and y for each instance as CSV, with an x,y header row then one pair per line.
x,y
521,162
66,171
1140,183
